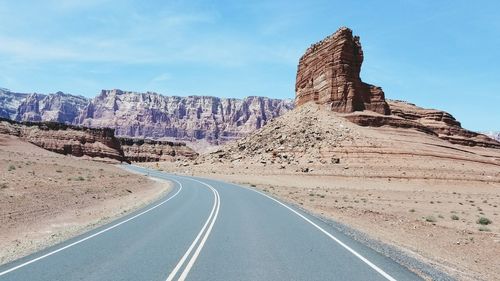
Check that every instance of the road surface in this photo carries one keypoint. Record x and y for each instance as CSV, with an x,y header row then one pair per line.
x,y
209,230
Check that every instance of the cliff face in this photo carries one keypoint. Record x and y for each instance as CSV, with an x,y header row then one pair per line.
x,y
67,139
183,118
9,103
149,115
328,73
94,142
58,107
146,150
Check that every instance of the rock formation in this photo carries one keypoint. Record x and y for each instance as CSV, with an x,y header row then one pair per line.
x,y
58,107
310,138
9,103
150,115
146,150
182,118
67,139
93,142
328,73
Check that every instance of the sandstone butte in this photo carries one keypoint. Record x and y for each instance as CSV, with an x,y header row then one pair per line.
x,y
328,74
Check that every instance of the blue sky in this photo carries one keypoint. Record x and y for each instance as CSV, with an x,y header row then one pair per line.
x,y
438,54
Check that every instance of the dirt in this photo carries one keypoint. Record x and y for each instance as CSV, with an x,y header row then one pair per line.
x,y
46,198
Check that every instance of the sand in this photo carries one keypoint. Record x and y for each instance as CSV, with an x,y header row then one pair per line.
x,y
46,198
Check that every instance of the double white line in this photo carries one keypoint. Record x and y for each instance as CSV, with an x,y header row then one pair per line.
x,y
199,246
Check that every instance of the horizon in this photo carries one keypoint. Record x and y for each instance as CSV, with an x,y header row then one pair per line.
x,y
421,52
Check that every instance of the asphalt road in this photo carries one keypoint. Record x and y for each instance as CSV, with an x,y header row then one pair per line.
x,y
209,230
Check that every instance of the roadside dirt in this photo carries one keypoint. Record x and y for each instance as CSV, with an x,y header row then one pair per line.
x,y
46,197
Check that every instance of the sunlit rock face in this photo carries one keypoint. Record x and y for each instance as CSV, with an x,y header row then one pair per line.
x,y
328,73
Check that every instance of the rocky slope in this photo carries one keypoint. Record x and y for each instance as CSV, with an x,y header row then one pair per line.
x,y
311,137
151,115
99,143
328,74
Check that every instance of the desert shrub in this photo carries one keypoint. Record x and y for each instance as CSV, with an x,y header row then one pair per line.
x,y
455,217
430,219
12,168
484,221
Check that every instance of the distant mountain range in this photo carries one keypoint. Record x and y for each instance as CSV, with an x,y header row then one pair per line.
x,y
151,115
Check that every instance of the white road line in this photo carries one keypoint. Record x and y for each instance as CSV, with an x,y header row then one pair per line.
x,y
93,235
211,219
202,243
359,256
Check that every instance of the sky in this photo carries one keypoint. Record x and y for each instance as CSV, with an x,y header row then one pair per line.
x,y
436,54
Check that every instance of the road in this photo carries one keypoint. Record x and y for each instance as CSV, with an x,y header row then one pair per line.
x,y
209,230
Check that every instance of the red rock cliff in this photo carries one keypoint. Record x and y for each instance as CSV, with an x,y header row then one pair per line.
x,y
328,73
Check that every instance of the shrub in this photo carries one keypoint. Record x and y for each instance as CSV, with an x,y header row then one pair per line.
x,y
430,219
455,217
483,221
412,211
12,168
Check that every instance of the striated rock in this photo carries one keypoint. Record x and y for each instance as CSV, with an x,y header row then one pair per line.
x,y
9,102
58,107
67,139
328,73
442,123
146,150
95,142
430,121
150,115
216,120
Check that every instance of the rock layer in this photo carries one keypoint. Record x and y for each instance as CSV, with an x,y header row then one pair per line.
x,y
58,107
94,142
182,118
67,139
328,73
150,115
146,150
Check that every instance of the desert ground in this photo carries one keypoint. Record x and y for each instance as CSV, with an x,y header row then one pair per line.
x,y
46,197
434,200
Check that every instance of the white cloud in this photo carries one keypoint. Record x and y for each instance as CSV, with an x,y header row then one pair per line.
x,y
161,78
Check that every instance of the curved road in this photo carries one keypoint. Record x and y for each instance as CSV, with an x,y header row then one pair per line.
x,y
209,230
